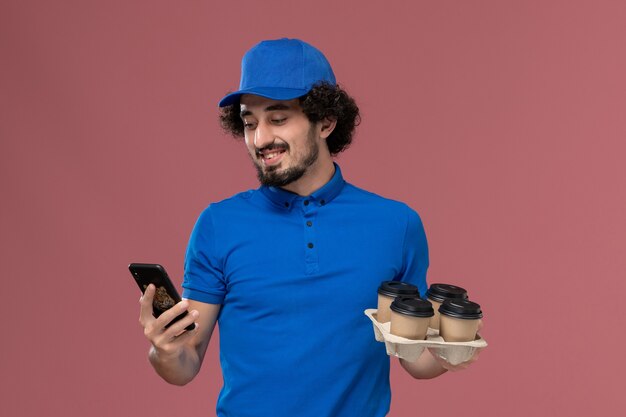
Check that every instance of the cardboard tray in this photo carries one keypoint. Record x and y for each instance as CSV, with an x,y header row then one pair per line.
x,y
452,352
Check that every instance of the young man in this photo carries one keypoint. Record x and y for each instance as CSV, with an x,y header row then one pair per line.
x,y
288,269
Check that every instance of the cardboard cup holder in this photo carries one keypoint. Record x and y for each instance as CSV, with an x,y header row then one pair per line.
x,y
452,352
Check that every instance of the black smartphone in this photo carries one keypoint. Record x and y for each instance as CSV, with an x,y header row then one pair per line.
x,y
165,296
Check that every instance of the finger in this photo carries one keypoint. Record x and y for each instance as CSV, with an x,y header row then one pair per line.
x,y
167,316
172,342
480,325
145,314
180,327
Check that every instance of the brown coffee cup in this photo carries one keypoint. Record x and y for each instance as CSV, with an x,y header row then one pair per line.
x,y
438,293
459,320
410,317
387,292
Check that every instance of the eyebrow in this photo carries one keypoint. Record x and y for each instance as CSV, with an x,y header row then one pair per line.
x,y
273,107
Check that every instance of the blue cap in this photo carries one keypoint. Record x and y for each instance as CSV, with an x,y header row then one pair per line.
x,y
281,69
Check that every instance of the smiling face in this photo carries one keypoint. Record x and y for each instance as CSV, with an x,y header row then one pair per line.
x,y
283,144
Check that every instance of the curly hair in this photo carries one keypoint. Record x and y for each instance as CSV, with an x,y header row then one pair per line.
x,y
324,100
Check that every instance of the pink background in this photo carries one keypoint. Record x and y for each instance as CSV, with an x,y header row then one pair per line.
x,y
503,123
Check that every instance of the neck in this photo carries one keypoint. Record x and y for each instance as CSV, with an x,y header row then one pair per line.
x,y
315,178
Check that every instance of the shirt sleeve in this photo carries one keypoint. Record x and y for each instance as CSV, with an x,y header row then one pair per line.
x,y
415,253
203,278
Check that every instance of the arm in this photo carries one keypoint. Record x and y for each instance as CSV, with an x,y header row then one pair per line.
x,y
415,265
176,354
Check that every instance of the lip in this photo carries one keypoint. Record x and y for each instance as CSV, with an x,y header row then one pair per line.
x,y
273,161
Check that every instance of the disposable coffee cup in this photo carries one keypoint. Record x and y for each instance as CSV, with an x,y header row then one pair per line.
x,y
410,317
387,292
459,320
438,293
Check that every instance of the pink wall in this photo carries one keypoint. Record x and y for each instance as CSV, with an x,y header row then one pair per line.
x,y
503,123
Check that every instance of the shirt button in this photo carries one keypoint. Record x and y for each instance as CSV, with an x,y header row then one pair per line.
x,y
286,204
309,223
306,202
322,202
310,245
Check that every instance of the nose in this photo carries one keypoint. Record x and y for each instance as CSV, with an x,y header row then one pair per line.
x,y
263,135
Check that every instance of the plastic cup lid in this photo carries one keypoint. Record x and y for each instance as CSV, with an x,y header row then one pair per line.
x,y
411,306
441,292
461,309
398,288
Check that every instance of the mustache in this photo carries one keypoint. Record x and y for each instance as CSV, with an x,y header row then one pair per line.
x,y
272,147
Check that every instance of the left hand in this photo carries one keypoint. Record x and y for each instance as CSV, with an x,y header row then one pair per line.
x,y
462,365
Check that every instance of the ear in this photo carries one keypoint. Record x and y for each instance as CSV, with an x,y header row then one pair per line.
x,y
327,126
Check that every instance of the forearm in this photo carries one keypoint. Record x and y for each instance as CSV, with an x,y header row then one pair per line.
x,y
177,368
425,367
175,353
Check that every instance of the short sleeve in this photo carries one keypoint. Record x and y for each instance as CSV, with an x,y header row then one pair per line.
x,y
415,253
203,279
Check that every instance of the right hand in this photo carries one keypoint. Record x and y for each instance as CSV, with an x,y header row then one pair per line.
x,y
171,340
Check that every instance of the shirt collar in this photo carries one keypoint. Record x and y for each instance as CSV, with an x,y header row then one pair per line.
x,y
287,199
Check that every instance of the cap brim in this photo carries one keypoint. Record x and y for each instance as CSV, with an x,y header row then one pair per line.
x,y
274,93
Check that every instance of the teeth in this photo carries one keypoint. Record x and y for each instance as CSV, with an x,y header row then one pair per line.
x,y
271,155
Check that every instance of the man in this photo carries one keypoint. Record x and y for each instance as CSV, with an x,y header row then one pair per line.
x,y
289,268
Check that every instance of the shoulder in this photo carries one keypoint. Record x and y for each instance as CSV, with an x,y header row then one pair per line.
x,y
219,211
380,211
237,201
377,202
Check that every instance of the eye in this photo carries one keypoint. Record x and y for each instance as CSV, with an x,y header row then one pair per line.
x,y
279,121
249,125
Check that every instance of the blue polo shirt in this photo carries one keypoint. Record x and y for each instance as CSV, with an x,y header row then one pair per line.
x,y
294,275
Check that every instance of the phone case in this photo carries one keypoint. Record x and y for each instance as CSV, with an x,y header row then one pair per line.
x,y
165,296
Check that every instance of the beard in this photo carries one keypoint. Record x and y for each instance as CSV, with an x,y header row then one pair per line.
x,y
273,177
